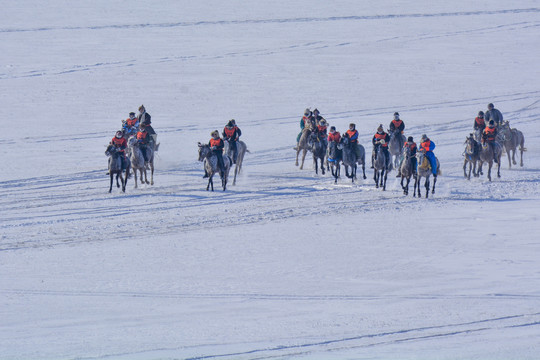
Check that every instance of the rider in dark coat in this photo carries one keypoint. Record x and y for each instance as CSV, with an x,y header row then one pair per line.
x,y
493,114
381,139
232,133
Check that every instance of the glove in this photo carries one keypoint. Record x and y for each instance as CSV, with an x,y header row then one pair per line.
x,y
213,148
382,141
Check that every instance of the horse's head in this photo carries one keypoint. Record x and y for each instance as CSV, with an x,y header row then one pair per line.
x,y
111,150
132,141
204,151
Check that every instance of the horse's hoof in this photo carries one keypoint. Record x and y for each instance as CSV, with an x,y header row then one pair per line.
x,y
151,183
365,177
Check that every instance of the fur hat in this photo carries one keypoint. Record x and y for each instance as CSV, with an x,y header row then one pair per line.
x,y
230,124
424,137
215,132
332,128
132,113
352,125
491,123
410,139
481,114
142,108
380,129
323,122
490,106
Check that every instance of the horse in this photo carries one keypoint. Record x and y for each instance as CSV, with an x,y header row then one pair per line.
x,y
424,170
137,160
348,157
318,149
303,145
488,152
407,170
472,157
211,165
395,147
335,155
115,167
241,150
511,139
380,171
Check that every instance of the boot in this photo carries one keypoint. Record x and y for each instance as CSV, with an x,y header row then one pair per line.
x,y
205,174
495,160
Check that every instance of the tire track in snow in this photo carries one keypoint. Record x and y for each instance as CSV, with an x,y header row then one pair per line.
x,y
274,21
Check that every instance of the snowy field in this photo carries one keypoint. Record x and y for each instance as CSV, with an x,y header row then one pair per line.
x,y
284,265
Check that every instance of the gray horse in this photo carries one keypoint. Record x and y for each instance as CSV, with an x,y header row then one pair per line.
x,y
489,152
380,172
318,149
241,150
407,170
511,139
115,167
395,147
303,145
424,170
472,157
335,154
211,166
137,161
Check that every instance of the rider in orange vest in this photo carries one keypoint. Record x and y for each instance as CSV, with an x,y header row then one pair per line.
x,y
427,146
412,147
216,145
232,133
143,138
380,139
490,135
321,131
479,122
352,134
334,135
397,125
120,143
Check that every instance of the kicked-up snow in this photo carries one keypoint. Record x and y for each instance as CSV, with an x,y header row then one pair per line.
x,y
285,264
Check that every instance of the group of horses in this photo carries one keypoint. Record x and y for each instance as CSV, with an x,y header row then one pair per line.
x,y
134,162
210,161
476,153
343,153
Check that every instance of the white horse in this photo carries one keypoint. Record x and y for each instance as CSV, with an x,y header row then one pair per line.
x,y
137,161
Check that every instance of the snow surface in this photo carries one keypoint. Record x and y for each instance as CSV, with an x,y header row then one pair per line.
x,y
284,265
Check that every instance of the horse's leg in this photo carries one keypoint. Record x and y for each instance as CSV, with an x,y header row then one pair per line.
x,y
353,172
385,177
509,159
297,153
322,165
489,170
426,185
499,167
152,173
315,164
135,176
416,184
122,181
465,169
434,182
111,175
235,172
304,152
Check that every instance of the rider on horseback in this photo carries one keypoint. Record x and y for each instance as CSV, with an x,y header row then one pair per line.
x,y
381,139
321,131
494,114
232,133
130,125
490,135
216,145
146,120
479,123
317,116
397,125
307,120
412,148
427,146
352,133
120,143
143,138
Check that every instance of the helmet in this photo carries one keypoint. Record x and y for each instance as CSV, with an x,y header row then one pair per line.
x,y
480,114
332,128
233,122
131,114
352,126
316,110
119,134
491,123
396,113
230,124
410,139
380,129
490,106
307,112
